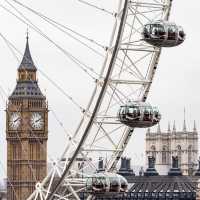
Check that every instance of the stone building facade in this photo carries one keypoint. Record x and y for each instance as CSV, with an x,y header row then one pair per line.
x,y
164,145
26,132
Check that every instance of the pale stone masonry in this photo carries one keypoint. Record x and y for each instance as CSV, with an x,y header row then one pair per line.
x,y
164,145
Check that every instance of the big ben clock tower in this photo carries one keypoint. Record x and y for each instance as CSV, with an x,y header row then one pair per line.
x,y
26,132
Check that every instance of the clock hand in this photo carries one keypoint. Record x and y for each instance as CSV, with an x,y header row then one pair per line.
x,y
16,119
38,120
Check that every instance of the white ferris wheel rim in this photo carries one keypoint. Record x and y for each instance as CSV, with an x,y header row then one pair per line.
x,y
43,189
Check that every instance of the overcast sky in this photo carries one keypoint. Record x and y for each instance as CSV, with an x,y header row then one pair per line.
x,y
176,84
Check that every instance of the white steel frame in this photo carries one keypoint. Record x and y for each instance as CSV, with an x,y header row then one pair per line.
x,y
127,74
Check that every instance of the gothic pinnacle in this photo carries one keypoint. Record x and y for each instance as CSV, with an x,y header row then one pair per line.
x,y
194,128
184,123
159,129
169,127
148,130
174,126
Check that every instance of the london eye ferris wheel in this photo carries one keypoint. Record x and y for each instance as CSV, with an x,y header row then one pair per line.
x,y
117,104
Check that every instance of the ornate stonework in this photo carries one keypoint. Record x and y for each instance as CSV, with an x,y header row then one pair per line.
x,y
164,145
26,132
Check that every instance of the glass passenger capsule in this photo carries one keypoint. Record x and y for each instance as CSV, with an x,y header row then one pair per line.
x,y
139,115
106,182
163,34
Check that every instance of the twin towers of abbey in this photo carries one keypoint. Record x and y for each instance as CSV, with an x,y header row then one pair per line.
x,y
26,132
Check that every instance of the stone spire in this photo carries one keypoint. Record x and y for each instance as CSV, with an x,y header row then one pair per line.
x,y
27,61
158,128
148,131
195,127
27,84
174,126
169,127
184,123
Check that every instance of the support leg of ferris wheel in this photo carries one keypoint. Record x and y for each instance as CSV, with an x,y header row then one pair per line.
x,y
39,190
55,170
119,37
108,53
39,193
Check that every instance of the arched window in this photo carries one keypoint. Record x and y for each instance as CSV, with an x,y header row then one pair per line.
x,y
164,155
179,154
190,155
153,151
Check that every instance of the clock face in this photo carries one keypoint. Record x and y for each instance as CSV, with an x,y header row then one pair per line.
x,y
15,121
37,121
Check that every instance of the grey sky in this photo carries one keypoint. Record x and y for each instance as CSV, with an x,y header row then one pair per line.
x,y
176,84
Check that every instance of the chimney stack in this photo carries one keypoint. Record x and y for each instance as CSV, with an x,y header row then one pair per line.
x,y
125,168
151,171
175,170
100,165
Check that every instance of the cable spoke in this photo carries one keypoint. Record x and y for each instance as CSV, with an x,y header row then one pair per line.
x,y
59,26
75,60
98,8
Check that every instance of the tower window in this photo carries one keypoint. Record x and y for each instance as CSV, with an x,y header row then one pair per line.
x,y
164,155
190,155
179,153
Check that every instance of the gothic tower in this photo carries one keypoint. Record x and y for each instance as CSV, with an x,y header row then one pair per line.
x,y
26,132
162,145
